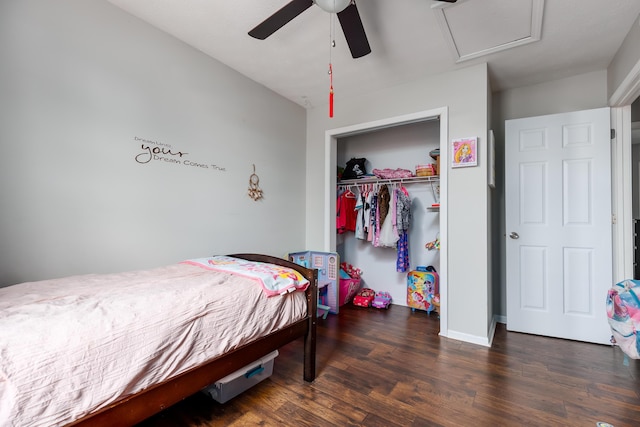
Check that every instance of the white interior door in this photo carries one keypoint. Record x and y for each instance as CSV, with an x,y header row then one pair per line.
x,y
558,224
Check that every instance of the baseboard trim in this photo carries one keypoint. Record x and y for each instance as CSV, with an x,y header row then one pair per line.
x,y
472,339
492,330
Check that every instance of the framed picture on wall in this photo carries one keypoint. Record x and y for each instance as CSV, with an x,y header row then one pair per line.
x,y
464,152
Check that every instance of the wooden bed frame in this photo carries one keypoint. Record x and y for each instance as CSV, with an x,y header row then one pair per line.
x,y
142,405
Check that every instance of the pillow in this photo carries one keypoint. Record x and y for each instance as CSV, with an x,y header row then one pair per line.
x,y
274,279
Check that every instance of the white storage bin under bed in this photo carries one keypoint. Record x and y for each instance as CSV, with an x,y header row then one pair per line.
x,y
241,380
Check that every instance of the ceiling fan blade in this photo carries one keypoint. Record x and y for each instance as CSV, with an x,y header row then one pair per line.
x,y
354,31
280,18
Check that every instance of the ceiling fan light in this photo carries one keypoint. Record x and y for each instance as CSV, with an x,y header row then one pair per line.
x,y
333,6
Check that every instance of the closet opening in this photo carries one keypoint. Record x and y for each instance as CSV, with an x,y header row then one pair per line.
x,y
396,143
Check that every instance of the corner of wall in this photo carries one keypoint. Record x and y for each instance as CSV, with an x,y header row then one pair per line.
x,y
626,62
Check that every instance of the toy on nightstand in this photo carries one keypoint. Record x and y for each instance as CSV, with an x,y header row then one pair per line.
x,y
364,297
382,300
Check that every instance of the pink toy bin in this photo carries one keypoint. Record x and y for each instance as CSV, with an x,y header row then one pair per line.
x,y
348,288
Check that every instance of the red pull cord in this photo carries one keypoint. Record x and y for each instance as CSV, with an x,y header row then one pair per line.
x,y
330,91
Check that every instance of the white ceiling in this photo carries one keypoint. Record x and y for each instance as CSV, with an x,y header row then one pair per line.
x,y
406,40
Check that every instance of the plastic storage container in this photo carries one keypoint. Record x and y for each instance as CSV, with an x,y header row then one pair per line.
x,y
241,380
348,289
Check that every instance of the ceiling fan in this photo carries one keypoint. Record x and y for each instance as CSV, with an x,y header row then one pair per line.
x,y
347,15
440,4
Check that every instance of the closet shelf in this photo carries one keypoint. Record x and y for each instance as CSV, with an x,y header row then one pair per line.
x,y
407,180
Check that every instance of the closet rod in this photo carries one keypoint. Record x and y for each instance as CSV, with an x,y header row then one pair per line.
x,y
406,180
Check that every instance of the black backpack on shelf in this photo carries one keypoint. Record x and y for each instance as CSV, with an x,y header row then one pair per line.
x,y
355,168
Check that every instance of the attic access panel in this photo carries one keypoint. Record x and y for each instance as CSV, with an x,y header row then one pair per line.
x,y
477,28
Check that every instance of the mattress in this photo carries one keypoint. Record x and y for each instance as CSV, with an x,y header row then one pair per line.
x,y
71,346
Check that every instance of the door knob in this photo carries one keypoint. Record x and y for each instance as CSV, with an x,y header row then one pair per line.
x,y
514,235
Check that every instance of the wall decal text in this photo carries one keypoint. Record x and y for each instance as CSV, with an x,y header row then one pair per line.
x,y
156,151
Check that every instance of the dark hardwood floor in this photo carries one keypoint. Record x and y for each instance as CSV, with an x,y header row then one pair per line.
x,y
390,368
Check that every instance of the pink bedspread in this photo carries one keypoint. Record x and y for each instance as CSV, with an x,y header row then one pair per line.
x,y
71,346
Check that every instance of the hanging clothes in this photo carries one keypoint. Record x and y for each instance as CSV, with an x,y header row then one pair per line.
x,y
402,261
403,221
340,218
346,211
384,197
366,214
389,230
382,209
380,214
403,209
359,207
373,215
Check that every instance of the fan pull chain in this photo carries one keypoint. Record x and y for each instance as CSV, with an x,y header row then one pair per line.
x,y
332,44
330,91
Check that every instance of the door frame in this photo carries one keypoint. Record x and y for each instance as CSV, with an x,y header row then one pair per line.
x,y
330,161
620,103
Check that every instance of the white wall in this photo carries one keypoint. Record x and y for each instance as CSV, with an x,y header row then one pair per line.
x,y
581,92
80,81
464,93
404,147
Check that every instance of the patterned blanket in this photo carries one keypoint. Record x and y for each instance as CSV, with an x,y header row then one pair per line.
x,y
274,279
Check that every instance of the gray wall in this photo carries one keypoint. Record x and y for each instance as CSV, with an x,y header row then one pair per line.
x,y
625,60
80,81
635,111
464,93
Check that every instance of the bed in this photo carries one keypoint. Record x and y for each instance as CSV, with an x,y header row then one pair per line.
x,y
144,340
